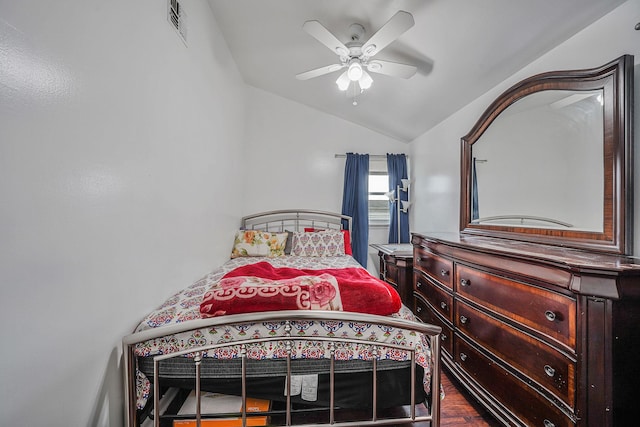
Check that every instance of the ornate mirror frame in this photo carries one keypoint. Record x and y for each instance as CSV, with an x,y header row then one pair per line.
x,y
615,79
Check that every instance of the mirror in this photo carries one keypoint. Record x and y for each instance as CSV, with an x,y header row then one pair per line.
x,y
549,161
560,122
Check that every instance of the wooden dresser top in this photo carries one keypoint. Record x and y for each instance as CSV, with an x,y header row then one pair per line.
x,y
567,258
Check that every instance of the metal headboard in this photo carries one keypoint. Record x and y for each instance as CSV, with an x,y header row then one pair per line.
x,y
295,220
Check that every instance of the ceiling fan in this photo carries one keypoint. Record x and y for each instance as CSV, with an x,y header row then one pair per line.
x,y
357,56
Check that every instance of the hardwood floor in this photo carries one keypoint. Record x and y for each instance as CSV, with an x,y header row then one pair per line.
x,y
460,409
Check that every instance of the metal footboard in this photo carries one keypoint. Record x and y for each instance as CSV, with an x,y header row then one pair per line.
x,y
432,332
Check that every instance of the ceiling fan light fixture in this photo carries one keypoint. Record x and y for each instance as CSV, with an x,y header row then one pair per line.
x,y
365,81
343,81
355,70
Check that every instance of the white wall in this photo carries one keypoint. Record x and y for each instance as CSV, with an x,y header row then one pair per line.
x,y
116,144
435,155
290,156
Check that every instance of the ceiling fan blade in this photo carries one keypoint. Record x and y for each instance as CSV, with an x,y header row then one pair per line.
x,y
324,36
393,69
319,72
398,24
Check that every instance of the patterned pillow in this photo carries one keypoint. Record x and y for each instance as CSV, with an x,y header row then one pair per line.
x,y
347,239
318,243
258,243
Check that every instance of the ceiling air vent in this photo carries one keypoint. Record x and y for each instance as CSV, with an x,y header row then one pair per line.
x,y
178,18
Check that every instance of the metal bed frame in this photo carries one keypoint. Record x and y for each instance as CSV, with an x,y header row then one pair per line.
x,y
281,220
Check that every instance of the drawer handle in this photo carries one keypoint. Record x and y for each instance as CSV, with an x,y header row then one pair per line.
x,y
418,284
443,305
548,423
418,259
444,272
465,282
549,370
443,337
463,357
550,315
464,319
419,309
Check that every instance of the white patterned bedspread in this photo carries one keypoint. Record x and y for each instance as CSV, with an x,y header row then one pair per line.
x,y
184,306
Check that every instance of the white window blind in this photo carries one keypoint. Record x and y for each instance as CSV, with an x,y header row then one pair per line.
x,y
378,185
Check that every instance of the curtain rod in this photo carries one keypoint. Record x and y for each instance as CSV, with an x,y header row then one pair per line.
x,y
371,156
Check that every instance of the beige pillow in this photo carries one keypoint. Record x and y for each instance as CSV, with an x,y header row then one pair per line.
x,y
258,243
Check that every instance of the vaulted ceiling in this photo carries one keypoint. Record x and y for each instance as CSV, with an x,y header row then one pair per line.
x,y
462,48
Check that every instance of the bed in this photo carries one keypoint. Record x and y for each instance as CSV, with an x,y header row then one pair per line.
x,y
293,320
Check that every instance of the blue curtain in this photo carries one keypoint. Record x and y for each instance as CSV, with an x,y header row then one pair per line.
x,y
475,213
355,203
397,168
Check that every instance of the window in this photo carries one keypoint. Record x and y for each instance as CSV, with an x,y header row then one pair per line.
x,y
378,201
378,186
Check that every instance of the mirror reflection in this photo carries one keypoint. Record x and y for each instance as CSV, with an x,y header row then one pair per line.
x,y
541,164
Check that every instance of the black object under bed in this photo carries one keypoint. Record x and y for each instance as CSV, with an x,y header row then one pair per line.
x,y
265,379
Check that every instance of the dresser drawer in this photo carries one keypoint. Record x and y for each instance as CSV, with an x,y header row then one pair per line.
x,y
523,401
551,314
440,269
425,313
437,297
545,365
390,270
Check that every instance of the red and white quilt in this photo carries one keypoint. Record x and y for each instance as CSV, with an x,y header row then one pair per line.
x,y
263,287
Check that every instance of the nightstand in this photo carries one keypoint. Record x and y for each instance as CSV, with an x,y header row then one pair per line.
x,y
396,268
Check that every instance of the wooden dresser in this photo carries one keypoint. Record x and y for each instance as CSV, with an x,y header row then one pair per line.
x,y
396,268
541,335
